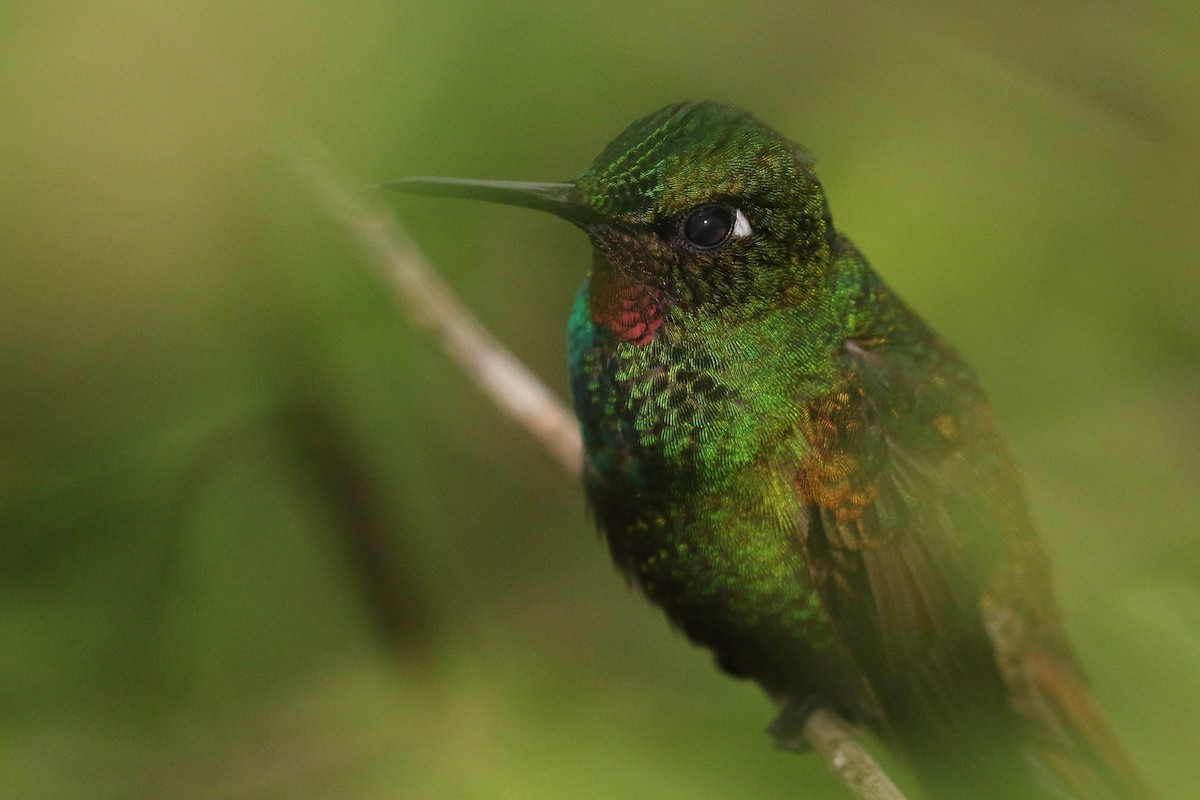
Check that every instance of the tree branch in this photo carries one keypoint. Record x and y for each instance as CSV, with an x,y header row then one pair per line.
x,y
429,304
832,738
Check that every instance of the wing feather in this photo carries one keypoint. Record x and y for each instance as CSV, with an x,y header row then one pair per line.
x,y
888,538
916,523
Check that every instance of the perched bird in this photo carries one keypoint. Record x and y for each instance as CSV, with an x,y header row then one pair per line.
x,y
803,475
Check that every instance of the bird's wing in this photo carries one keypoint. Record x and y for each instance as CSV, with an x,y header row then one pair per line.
x,y
900,533
919,544
912,508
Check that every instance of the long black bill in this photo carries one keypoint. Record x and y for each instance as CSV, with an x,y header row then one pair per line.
x,y
560,199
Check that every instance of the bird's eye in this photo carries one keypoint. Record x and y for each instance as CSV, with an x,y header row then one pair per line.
x,y
711,226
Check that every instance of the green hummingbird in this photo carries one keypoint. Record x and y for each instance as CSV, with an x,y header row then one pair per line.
x,y
804,476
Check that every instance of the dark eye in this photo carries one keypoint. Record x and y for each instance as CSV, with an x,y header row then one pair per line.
x,y
711,226
708,226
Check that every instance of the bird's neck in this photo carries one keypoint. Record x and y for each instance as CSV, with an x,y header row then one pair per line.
x,y
689,394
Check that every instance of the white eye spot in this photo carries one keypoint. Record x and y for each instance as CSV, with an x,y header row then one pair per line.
x,y
741,225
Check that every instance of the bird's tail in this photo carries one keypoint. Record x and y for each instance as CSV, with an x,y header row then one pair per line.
x,y
1072,740
1043,738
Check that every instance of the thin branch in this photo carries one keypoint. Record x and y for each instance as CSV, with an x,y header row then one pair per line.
x,y
430,304
832,738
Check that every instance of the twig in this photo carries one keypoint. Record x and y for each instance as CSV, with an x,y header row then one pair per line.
x,y
832,738
432,306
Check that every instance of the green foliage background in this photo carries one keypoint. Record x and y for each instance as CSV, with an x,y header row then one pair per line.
x,y
182,332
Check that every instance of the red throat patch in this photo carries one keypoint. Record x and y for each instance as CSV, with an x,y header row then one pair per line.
x,y
632,311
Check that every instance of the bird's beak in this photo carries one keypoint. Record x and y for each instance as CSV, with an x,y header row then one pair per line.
x,y
561,199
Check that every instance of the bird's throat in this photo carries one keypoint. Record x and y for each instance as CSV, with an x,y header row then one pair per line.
x,y
632,311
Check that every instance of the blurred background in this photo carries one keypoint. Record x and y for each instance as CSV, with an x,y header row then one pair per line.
x,y
259,540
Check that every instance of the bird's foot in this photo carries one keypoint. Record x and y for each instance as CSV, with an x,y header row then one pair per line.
x,y
788,728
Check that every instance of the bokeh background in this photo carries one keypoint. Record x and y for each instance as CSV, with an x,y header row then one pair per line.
x,y
259,540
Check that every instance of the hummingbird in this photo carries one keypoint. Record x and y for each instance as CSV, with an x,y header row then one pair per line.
x,y
804,476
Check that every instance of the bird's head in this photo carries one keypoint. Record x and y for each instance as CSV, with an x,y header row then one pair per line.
x,y
697,209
